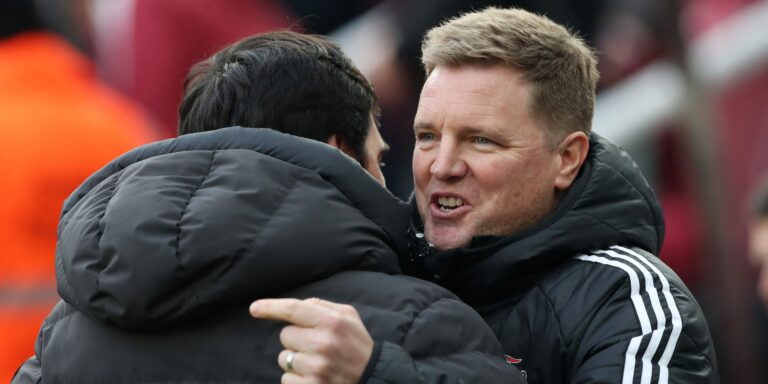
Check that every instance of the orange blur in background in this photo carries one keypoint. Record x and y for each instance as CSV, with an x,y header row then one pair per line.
x,y
58,125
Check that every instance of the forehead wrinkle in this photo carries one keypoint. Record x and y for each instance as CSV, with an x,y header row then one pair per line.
x,y
430,93
477,118
474,103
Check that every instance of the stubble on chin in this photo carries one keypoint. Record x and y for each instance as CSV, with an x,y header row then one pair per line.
x,y
445,238
512,224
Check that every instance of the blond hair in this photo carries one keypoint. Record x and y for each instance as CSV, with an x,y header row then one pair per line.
x,y
561,68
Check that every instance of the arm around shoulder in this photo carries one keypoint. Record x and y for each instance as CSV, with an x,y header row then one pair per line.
x,y
448,342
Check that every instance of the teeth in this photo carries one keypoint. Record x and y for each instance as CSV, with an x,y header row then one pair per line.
x,y
450,202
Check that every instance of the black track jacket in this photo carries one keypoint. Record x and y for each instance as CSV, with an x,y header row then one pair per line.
x,y
161,252
581,298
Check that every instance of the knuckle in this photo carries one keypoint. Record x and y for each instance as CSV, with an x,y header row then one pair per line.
x,y
322,367
325,375
290,308
348,310
326,344
285,334
323,346
336,323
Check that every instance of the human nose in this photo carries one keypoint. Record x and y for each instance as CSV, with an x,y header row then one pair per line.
x,y
448,163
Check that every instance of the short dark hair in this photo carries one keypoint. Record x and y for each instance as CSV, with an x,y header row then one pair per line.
x,y
299,84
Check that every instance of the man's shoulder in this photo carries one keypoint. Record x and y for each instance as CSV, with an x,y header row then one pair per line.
x,y
620,300
617,287
595,271
625,274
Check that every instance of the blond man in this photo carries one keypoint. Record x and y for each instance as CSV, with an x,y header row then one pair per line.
x,y
548,230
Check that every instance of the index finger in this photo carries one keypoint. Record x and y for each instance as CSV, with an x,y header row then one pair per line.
x,y
337,307
297,312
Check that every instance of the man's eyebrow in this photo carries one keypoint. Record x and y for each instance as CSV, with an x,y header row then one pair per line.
x,y
422,125
475,130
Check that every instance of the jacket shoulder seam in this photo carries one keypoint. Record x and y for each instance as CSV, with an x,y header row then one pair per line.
x,y
693,341
551,306
189,200
648,204
562,278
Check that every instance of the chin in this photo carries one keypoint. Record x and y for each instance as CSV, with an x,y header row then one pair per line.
x,y
444,240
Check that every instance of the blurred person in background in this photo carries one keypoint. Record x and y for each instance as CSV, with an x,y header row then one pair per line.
x,y
146,47
163,249
58,124
758,237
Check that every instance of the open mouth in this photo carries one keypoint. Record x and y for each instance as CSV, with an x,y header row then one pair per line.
x,y
448,204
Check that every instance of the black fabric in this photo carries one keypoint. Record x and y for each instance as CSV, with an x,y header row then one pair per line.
x,y
17,16
375,356
571,319
161,252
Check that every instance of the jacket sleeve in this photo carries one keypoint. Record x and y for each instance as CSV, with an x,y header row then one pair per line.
x,y
447,343
646,328
29,372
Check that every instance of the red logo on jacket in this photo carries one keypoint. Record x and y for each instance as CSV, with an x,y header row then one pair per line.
x,y
512,360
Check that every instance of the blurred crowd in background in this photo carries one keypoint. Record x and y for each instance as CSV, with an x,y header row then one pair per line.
x,y
684,88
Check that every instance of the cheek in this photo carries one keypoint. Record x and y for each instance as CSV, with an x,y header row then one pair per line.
x,y
420,168
504,176
375,171
537,175
420,180
512,183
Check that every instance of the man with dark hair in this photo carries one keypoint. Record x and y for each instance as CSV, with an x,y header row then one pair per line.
x,y
162,250
548,230
322,95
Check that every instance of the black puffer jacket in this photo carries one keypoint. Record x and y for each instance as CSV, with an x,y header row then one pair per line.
x,y
161,252
581,298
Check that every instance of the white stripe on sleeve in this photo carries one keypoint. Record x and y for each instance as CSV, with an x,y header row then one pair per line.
x,y
661,319
640,310
677,322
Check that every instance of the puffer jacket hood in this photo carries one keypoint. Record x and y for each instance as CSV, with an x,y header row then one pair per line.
x,y
609,203
171,229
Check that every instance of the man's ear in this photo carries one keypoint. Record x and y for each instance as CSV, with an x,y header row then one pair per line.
x,y
571,154
334,141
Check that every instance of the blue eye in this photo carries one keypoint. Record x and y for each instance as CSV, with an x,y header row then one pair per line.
x,y
425,136
481,140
